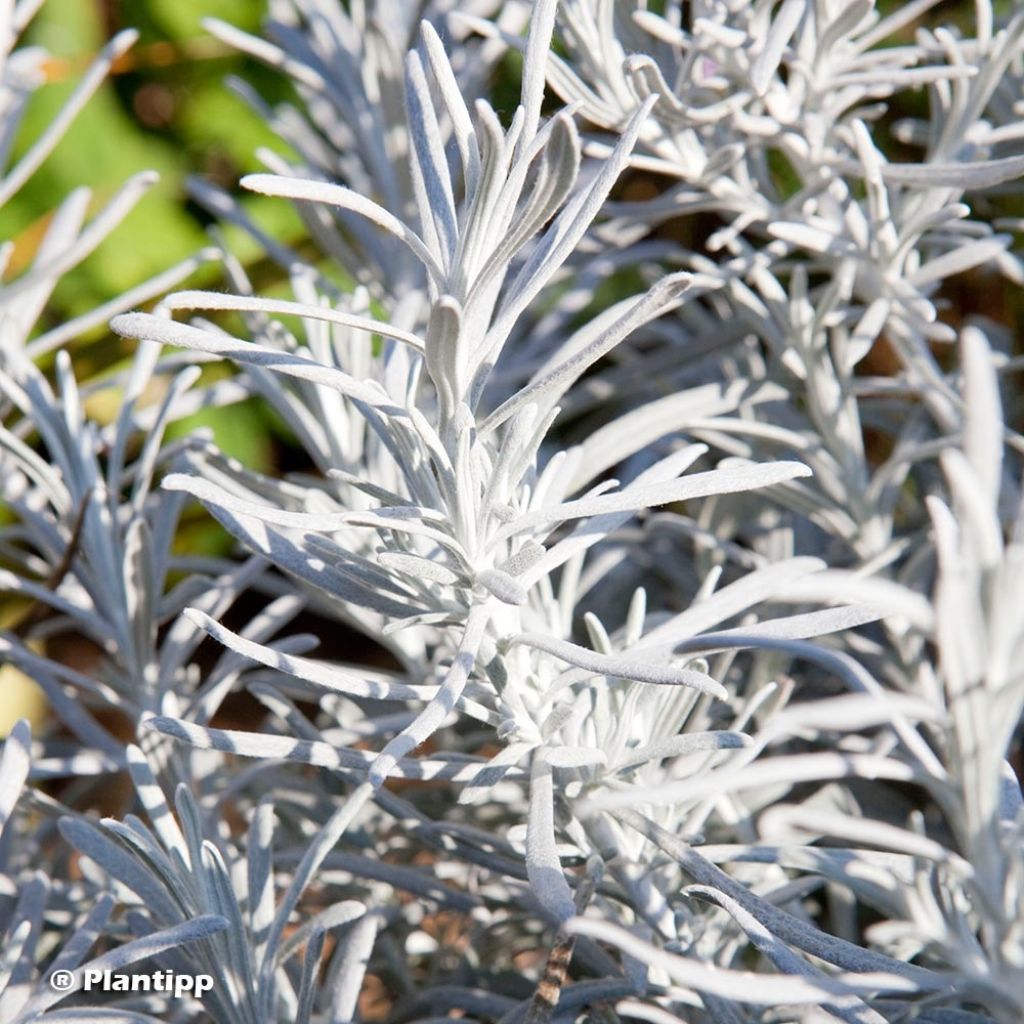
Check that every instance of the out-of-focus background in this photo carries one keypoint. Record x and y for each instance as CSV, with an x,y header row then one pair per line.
x,y
167,108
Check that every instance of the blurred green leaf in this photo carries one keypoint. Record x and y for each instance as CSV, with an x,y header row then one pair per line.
x,y
182,19
241,430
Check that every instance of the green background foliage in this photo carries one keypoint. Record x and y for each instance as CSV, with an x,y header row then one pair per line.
x,y
166,108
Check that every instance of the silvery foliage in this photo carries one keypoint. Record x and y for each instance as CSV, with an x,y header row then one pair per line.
x,y
347,67
763,118
89,545
87,552
629,691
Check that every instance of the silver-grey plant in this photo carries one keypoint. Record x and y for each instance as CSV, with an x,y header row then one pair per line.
x,y
680,665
